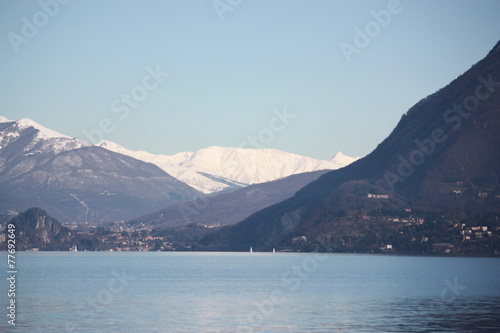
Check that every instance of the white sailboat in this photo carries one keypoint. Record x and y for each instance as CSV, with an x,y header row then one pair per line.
x,y
251,250
274,250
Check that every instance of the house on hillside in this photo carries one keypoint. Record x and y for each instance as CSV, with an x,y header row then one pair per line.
x,y
377,196
443,247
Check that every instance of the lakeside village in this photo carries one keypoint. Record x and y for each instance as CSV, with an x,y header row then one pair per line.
x,y
399,232
459,238
454,238
403,233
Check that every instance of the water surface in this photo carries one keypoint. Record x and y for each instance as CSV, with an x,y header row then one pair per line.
x,y
253,292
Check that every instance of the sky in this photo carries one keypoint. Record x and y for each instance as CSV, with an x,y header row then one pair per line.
x,y
308,77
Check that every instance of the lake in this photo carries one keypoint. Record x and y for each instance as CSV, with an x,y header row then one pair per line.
x,y
251,292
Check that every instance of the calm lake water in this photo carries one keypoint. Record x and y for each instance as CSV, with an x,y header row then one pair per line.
x,y
252,292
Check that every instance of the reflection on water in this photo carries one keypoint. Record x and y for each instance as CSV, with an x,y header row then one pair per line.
x,y
428,315
223,292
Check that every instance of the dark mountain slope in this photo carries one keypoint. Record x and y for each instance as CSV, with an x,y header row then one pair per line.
x,y
34,228
437,150
229,208
94,184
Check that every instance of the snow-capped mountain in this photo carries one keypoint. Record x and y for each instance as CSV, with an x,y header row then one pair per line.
x,y
173,166
215,169
33,136
77,181
342,159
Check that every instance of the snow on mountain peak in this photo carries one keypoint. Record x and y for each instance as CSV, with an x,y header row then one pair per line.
x,y
215,168
45,139
342,159
43,132
338,155
159,160
109,145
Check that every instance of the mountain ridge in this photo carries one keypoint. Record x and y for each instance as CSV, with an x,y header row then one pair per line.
x,y
456,177
77,181
215,169
227,208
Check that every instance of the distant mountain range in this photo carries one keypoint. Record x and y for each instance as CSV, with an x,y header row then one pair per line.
x,y
216,169
440,165
78,182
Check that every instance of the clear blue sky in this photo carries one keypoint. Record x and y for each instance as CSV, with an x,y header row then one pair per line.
x,y
227,76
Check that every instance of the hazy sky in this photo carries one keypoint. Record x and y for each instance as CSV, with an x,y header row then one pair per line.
x,y
308,77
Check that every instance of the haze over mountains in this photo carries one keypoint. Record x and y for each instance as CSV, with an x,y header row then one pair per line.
x,y
78,182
